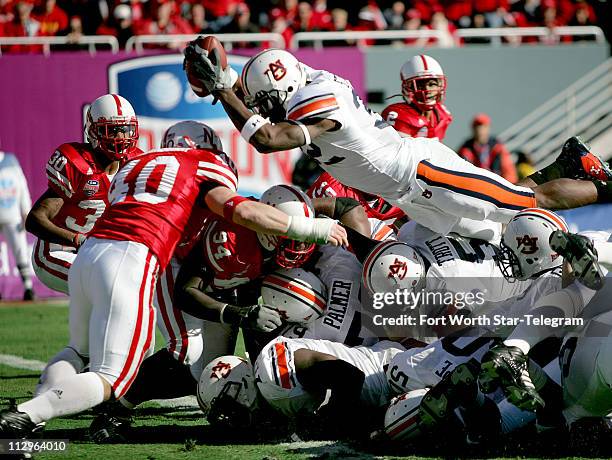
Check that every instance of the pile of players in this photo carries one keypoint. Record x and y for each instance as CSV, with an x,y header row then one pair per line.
x,y
135,236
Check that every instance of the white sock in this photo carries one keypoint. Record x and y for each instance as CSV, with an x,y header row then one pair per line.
x,y
65,364
71,396
604,253
519,343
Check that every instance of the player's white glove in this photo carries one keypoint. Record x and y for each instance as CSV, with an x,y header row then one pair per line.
x,y
259,317
211,75
318,230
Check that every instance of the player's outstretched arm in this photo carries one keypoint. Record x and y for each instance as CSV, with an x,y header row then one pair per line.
x,y
265,136
265,219
39,221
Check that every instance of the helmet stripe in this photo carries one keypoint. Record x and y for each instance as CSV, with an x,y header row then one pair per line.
x,y
424,61
299,197
556,220
118,102
298,281
310,295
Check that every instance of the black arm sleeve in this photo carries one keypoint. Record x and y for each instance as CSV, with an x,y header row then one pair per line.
x,y
344,205
342,378
361,245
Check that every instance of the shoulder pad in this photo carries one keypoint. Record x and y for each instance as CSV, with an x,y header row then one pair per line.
x,y
78,155
315,99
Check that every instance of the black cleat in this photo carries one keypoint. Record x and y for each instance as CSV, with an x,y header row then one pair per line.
x,y
508,367
15,424
108,428
28,295
450,393
580,163
578,250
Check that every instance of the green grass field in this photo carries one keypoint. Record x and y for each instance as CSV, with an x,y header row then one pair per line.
x,y
36,332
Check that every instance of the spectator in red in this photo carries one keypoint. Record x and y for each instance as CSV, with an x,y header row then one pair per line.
x,y
119,25
279,25
493,11
321,15
340,24
198,18
583,16
53,19
219,8
413,22
441,24
487,152
22,25
305,21
458,12
7,11
167,22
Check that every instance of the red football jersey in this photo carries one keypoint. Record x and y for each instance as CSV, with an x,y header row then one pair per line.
x,y
232,253
375,207
152,197
406,119
75,174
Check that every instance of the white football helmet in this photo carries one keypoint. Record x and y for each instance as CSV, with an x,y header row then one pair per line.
x,y
191,134
524,245
402,419
293,202
227,392
298,295
269,81
111,126
393,266
415,75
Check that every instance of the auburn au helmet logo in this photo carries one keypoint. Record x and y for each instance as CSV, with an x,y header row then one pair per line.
x,y
398,268
277,70
221,370
528,243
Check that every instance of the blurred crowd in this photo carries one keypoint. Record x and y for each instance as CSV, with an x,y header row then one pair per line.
x,y
124,18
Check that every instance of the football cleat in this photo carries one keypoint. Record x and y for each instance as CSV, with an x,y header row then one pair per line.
x,y
455,389
15,424
28,295
578,250
580,163
108,428
507,367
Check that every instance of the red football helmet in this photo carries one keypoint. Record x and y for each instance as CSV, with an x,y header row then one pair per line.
x,y
293,202
111,126
423,82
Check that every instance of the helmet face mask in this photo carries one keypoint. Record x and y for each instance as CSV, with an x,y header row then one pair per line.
x,y
225,411
269,80
111,126
424,92
292,253
269,104
524,249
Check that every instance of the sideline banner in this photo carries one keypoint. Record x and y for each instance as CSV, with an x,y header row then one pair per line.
x,y
44,99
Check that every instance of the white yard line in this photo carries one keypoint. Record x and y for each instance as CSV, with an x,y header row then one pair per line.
x,y
18,362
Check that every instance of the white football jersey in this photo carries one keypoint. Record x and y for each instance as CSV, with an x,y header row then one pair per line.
x,y
277,380
364,141
459,264
340,271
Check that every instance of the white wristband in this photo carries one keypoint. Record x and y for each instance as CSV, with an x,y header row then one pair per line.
x,y
252,125
307,138
221,314
311,230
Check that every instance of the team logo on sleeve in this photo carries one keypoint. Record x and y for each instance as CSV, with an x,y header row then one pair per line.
x,y
91,187
277,70
398,269
527,244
